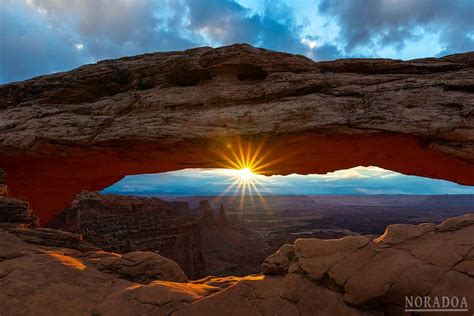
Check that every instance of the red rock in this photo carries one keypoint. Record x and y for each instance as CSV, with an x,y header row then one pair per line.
x,y
165,111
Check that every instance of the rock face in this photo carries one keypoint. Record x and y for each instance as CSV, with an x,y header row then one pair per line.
x,y
53,238
206,213
14,212
227,249
128,223
44,280
140,267
222,220
166,111
3,184
408,260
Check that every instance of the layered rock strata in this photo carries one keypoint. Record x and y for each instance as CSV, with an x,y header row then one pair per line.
x,y
128,223
167,111
14,212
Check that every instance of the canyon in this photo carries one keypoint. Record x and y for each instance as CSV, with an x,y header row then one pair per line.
x,y
48,271
206,238
200,240
125,224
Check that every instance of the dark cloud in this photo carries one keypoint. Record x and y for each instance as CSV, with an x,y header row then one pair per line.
x,y
223,21
112,28
327,52
377,23
43,36
28,47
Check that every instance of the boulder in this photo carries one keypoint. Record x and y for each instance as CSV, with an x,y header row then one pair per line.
x,y
139,267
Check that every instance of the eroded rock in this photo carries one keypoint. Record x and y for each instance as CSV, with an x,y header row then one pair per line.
x,y
180,108
130,223
16,213
408,260
140,267
372,280
316,257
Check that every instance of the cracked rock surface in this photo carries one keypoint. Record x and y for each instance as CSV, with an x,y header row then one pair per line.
x,y
407,260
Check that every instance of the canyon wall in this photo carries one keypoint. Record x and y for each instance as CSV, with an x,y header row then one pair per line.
x,y
202,244
128,223
87,128
228,249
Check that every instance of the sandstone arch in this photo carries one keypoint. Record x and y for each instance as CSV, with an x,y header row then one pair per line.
x,y
87,128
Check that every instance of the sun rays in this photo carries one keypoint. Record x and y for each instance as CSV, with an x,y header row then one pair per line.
x,y
246,165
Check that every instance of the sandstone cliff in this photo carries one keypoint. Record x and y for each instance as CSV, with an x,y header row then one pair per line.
x,y
129,223
201,246
166,111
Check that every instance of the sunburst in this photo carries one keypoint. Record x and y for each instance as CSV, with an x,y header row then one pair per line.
x,y
246,165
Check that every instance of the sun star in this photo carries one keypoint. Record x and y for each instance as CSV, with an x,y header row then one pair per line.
x,y
246,164
245,174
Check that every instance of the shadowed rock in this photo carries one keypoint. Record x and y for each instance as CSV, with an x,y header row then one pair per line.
x,y
368,278
131,223
206,213
222,218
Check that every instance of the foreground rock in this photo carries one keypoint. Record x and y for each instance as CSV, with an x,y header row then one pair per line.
x,y
166,111
408,260
14,212
48,272
49,280
349,276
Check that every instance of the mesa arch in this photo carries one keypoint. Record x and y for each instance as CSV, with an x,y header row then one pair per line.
x,y
89,127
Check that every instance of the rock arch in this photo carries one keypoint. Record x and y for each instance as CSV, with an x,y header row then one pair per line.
x,y
87,128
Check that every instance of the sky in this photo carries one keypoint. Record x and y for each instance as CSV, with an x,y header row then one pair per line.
x,y
358,180
45,36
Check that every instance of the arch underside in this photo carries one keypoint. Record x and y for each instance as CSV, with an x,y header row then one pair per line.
x,y
49,183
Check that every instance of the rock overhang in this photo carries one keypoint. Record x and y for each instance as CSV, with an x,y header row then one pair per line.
x,y
87,128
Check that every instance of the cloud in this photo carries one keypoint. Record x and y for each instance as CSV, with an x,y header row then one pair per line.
x,y
43,36
357,180
113,28
29,47
380,23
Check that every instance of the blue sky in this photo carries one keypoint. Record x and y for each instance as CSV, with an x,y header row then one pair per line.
x,y
44,36
358,180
